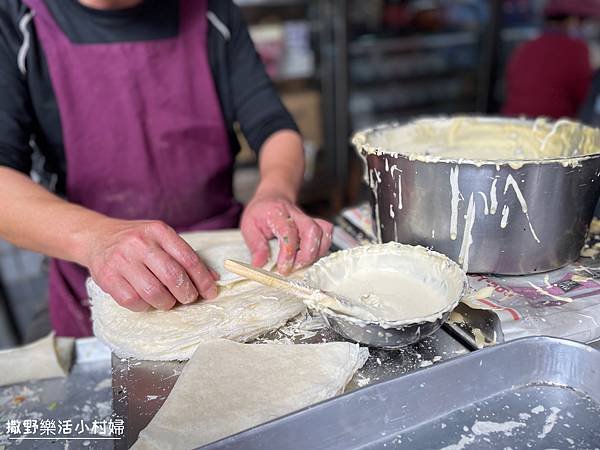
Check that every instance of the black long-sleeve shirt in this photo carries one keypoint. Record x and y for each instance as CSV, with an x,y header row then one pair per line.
x,y
29,115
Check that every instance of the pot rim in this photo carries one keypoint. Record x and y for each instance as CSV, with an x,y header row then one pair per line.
x,y
364,148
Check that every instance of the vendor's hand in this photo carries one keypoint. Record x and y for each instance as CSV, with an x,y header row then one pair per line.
x,y
302,239
145,263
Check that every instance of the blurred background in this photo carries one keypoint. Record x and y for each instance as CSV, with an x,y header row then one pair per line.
x,y
343,65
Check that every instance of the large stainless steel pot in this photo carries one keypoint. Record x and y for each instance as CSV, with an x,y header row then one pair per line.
x,y
506,217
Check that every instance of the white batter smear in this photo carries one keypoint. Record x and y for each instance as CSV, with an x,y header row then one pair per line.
x,y
455,192
374,185
467,240
505,212
486,210
493,197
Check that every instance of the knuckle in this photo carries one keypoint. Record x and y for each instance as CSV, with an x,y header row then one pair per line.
x,y
172,269
315,230
152,290
117,257
190,260
176,279
290,231
171,280
135,239
157,227
276,210
105,275
187,257
138,239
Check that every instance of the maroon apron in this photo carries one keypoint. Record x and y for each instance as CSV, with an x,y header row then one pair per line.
x,y
144,138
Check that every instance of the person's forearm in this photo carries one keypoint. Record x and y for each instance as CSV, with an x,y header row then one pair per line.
x,y
140,263
35,219
281,166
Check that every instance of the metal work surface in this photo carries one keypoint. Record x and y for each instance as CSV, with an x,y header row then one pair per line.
x,y
141,387
548,397
82,398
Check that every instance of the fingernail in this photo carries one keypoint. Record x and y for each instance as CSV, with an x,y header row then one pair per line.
x,y
166,306
190,299
259,260
211,293
286,268
141,308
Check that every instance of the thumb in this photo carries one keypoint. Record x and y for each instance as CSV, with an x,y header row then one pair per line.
x,y
257,243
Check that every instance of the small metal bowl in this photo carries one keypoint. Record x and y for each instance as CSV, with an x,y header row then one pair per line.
x,y
390,335
373,335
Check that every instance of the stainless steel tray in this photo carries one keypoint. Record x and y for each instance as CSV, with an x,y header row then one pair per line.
x,y
531,393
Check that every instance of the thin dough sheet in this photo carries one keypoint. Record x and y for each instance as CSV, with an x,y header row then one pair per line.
x,y
228,387
49,357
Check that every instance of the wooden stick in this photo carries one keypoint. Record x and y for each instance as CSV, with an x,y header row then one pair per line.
x,y
266,278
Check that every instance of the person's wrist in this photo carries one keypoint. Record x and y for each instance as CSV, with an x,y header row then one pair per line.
x,y
275,189
93,231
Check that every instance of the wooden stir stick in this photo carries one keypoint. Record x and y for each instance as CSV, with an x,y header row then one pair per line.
x,y
276,281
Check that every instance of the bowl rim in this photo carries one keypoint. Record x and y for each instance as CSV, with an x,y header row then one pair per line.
x,y
386,246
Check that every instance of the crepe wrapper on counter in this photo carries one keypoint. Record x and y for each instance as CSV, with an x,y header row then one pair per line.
x,y
49,357
228,387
